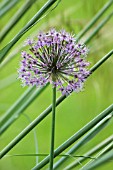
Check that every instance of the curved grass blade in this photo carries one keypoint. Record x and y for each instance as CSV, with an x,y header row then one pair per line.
x,y
105,150
90,152
17,104
97,65
35,138
12,110
45,113
13,21
7,7
92,22
100,161
75,137
95,19
28,26
91,134
20,107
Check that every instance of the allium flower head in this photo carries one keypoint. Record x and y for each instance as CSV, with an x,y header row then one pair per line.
x,y
57,58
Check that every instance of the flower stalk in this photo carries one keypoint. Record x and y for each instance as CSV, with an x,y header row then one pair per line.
x,y
53,128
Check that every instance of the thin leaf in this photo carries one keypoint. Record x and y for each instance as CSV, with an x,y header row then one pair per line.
x,y
28,26
7,7
46,154
42,116
13,21
14,107
35,138
100,161
92,69
19,102
106,149
92,22
4,3
8,81
14,112
95,19
101,61
99,27
91,134
75,137
90,152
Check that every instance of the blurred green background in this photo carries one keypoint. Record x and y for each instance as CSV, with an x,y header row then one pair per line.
x,y
77,109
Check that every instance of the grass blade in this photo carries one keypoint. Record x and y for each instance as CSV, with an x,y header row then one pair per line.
x,y
95,19
19,14
14,112
41,117
7,7
28,26
4,3
72,139
100,161
91,134
14,107
90,152
35,138
101,61
99,27
92,22
8,81
20,100
46,154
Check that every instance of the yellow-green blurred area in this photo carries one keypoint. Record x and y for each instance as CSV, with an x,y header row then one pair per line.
x,y
76,110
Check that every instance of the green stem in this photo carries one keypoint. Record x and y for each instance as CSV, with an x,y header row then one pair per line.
x,y
53,129
27,27
75,137
7,7
100,161
90,152
43,115
86,138
13,21
99,27
96,17
13,113
101,61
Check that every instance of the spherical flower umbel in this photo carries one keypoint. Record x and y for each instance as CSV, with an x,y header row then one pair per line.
x,y
55,57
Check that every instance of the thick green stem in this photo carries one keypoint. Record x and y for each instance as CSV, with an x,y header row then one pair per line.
x,y
53,129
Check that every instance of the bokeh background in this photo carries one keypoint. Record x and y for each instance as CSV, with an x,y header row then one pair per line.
x,y
78,109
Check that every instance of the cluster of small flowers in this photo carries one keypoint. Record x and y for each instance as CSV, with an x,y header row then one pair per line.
x,y
57,58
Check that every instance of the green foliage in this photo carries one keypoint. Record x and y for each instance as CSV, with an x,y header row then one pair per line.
x,y
93,25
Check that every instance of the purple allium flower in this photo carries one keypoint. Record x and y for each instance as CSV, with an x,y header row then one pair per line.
x,y
57,58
